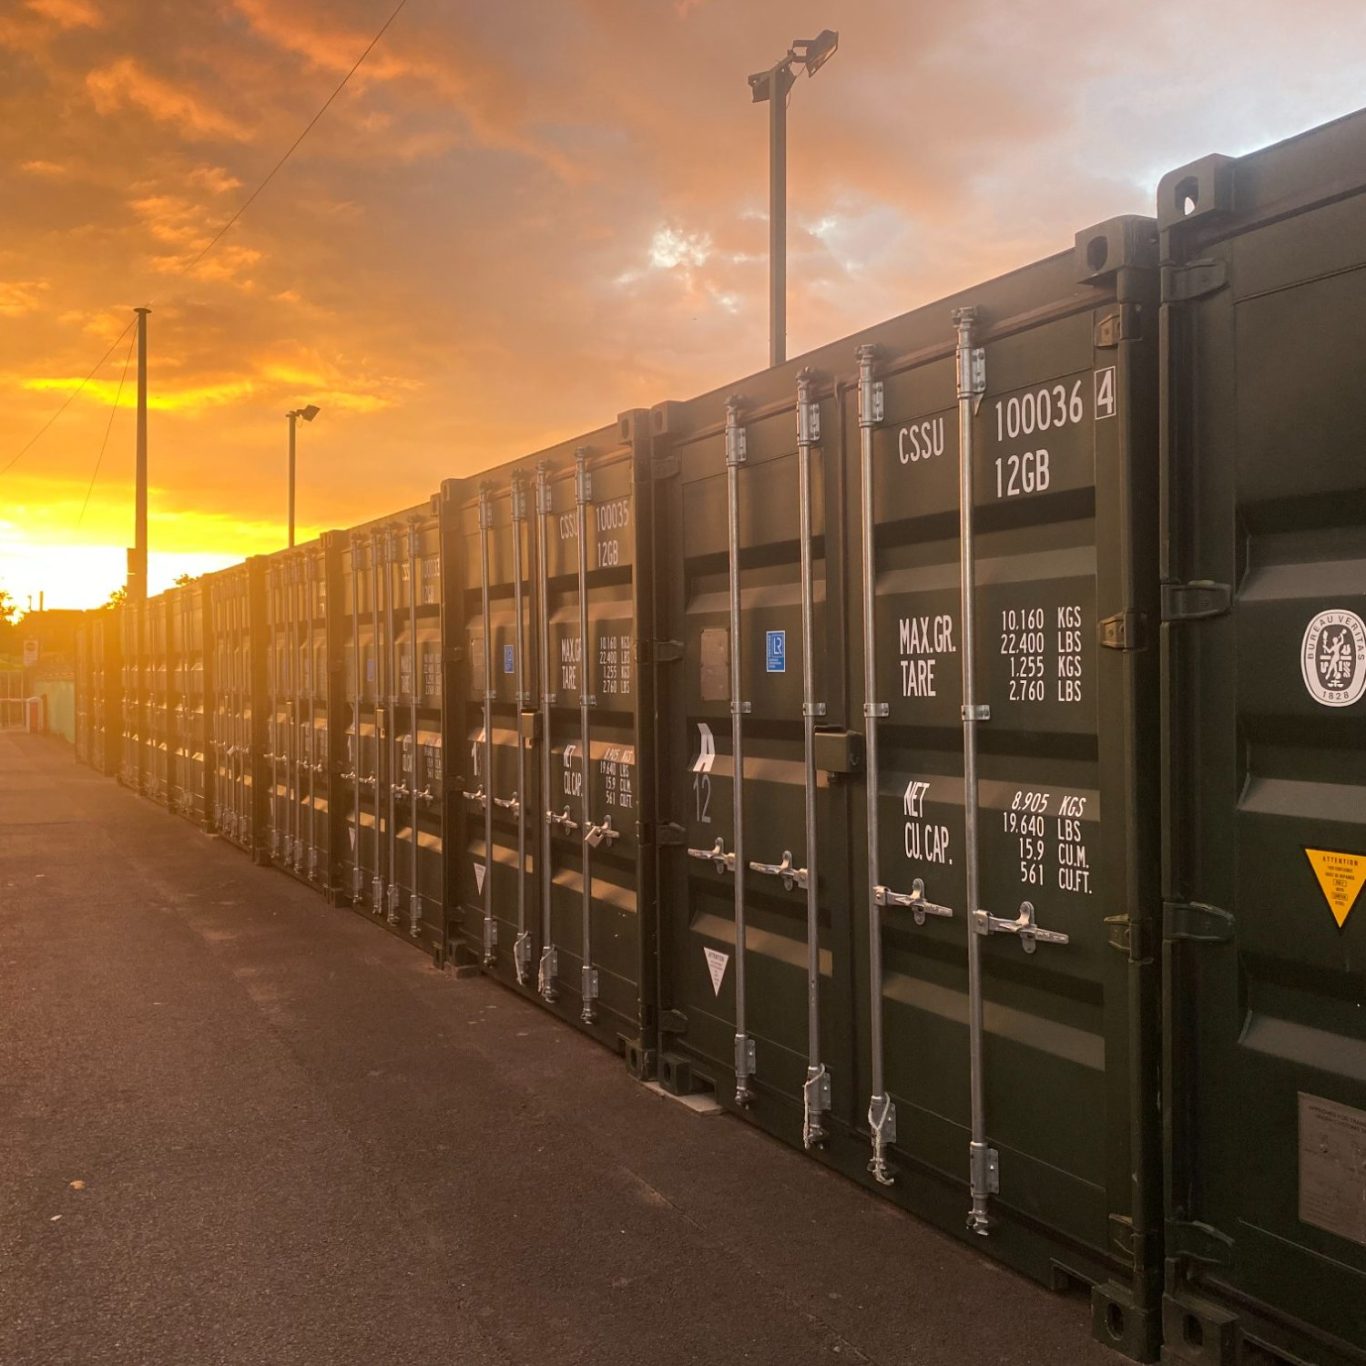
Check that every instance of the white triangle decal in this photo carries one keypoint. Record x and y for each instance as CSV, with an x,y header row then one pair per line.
x,y
717,963
479,877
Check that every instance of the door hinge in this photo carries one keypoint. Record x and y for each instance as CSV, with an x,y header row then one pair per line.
x,y
1195,601
1131,937
666,467
1124,322
673,1022
1181,284
1196,922
671,834
1195,1242
1124,631
1137,1249
658,651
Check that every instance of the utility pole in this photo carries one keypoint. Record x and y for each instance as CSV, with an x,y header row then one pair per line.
x,y
293,420
781,81
774,85
137,560
308,413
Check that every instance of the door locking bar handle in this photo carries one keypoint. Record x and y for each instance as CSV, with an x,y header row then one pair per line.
x,y
370,780
400,789
1023,927
426,796
349,776
915,899
512,803
596,834
725,863
478,795
791,875
562,820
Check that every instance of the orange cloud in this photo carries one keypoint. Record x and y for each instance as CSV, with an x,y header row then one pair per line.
x,y
20,296
68,13
159,399
126,84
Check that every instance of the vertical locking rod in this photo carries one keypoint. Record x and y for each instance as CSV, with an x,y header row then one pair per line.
x,y
292,812
310,588
735,457
981,1160
881,1111
357,685
395,764
583,493
275,599
490,927
521,951
549,965
415,691
377,875
816,1091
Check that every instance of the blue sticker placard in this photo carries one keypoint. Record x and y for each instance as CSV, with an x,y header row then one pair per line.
x,y
508,664
369,670
775,651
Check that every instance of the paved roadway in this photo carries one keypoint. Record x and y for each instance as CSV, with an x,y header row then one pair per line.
x,y
301,1143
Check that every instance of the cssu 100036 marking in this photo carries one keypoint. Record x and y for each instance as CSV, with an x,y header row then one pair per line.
x,y
920,441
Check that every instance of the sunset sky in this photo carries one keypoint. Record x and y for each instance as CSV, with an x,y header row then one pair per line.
x,y
521,218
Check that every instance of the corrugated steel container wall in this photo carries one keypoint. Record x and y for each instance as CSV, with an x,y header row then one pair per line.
x,y
158,700
236,606
105,683
1003,1062
190,690
549,724
301,653
1264,585
390,793
133,694
84,662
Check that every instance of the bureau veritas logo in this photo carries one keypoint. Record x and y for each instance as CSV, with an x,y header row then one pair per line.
x,y
1333,658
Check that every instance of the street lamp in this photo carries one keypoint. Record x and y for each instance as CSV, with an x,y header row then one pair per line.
x,y
308,414
773,85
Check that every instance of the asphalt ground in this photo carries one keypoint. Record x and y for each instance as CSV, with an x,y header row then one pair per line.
x,y
240,1126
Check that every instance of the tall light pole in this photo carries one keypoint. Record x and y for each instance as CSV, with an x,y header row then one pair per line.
x,y
774,85
137,561
308,413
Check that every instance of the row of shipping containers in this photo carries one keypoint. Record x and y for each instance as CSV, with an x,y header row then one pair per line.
x,y
948,749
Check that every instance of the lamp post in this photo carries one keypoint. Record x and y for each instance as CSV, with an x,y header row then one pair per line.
x,y
774,86
308,414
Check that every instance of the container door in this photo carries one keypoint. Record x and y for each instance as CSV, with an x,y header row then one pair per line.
x,y
755,941
414,905
1265,635
588,741
494,880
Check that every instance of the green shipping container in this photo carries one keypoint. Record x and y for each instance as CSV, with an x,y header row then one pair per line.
x,y
1264,650
907,922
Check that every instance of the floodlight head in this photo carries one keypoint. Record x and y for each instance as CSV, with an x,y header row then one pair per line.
x,y
310,412
813,53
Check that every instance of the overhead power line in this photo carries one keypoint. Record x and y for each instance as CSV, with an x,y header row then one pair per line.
x,y
219,235
294,146
66,403
108,427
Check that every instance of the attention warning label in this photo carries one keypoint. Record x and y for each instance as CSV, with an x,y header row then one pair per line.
x,y
1340,878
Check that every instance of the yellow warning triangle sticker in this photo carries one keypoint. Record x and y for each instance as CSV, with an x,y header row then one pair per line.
x,y
1340,879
